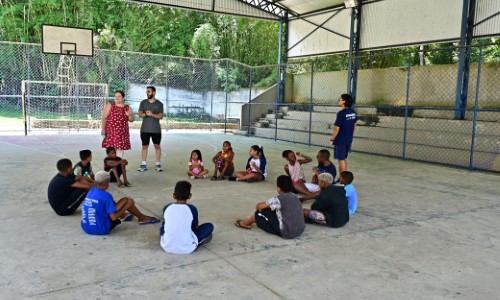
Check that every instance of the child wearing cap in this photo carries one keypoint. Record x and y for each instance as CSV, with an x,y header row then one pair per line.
x,y
100,213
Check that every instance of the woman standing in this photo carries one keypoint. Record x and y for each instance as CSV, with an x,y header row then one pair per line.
x,y
115,118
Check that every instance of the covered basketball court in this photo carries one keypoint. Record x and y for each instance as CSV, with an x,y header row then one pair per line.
x,y
421,231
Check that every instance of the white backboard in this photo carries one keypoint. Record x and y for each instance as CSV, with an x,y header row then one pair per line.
x,y
67,40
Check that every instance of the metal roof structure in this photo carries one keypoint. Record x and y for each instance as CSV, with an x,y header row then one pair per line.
x,y
319,27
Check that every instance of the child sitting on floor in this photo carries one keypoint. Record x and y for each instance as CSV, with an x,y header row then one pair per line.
x,y
324,165
117,166
100,213
280,215
255,168
223,162
195,166
346,178
330,208
83,167
180,233
295,171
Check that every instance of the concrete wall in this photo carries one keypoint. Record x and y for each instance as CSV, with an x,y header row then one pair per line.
x,y
260,106
429,85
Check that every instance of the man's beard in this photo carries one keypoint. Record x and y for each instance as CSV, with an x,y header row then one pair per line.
x,y
150,97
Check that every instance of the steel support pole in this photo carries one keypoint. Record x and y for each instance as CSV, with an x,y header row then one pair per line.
x,y
167,103
466,35
354,39
311,102
249,102
405,133
226,89
474,125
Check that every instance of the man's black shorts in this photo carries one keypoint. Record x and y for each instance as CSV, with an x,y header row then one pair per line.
x,y
146,136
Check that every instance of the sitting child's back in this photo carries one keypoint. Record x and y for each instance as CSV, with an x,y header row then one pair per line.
x,y
178,236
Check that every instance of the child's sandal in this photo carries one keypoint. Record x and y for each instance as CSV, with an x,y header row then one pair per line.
x,y
213,178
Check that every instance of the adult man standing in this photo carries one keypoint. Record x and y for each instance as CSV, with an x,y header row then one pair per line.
x,y
151,112
344,131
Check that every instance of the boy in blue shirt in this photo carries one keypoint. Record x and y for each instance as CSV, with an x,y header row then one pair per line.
x,y
343,133
100,214
346,178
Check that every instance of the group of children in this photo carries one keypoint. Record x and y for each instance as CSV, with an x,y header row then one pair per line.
x,y
181,232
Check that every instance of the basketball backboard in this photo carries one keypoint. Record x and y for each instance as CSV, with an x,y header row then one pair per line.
x,y
67,40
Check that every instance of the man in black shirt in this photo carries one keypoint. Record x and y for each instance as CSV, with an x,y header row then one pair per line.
x,y
67,191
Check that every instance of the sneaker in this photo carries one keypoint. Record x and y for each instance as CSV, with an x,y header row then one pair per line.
x,y
205,176
231,178
205,240
158,168
191,177
142,168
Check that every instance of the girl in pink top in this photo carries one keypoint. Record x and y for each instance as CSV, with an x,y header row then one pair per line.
x,y
295,171
195,166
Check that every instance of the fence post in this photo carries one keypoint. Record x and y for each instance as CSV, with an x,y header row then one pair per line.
x,y
126,74
226,89
212,95
249,102
28,98
166,91
478,81
311,102
75,85
23,95
405,132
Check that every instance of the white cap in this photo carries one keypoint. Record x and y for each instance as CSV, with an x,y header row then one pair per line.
x,y
102,177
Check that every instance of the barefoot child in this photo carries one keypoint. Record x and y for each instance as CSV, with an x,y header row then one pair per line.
x,y
100,214
117,166
295,171
255,168
280,215
195,166
180,232
223,162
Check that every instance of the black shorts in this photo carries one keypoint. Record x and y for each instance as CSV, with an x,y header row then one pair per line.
x,y
74,200
267,220
146,136
112,177
114,224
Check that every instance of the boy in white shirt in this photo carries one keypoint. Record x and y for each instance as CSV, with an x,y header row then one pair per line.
x,y
180,232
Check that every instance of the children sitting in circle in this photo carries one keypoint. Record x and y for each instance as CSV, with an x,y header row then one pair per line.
x,y
255,168
223,162
100,213
295,171
117,167
195,166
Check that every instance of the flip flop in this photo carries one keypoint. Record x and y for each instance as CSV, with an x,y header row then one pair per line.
x,y
238,224
127,217
120,185
152,221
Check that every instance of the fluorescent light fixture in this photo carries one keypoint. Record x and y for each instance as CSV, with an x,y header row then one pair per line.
x,y
350,3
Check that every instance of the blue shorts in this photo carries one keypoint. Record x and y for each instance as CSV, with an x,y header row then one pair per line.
x,y
340,152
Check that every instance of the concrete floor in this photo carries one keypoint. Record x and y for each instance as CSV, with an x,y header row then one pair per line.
x,y
421,232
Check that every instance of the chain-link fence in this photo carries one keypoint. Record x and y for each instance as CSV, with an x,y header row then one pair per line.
x,y
406,102
406,105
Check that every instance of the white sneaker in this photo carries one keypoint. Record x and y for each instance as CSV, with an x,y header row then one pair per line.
x,y
158,168
142,168
191,177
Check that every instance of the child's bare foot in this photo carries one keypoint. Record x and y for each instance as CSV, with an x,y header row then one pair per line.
x,y
128,184
120,184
